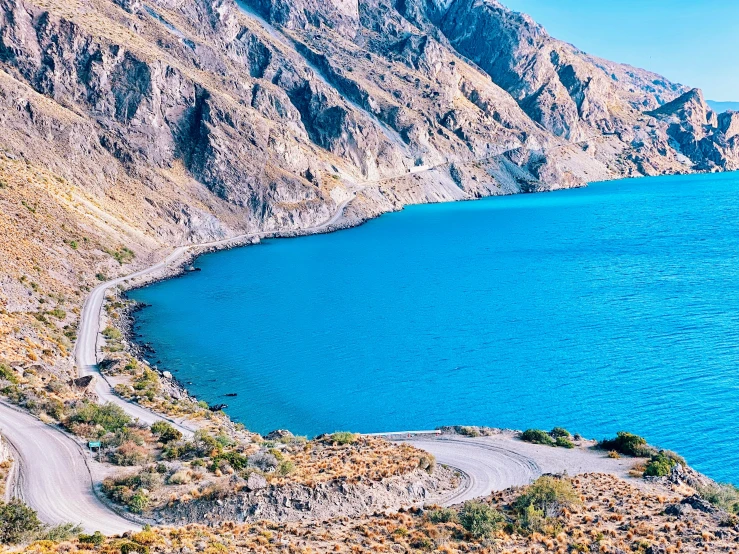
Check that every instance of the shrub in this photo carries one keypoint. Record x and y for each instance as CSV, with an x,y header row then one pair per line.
x,y
165,432
343,437
627,443
564,442
129,454
661,463
111,333
8,374
614,454
547,494
286,467
537,436
96,539
427,462
109,416
560,432
480,520
58,533
467,431
18,522
134,548
441,515
722,495
234,459
138,502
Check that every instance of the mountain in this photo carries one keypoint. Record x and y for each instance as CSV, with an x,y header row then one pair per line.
x,y
129,126
721,107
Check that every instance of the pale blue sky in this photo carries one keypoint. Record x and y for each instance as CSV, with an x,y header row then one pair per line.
x,y
694,42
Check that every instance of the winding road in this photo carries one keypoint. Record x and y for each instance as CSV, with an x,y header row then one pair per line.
x,y
53,473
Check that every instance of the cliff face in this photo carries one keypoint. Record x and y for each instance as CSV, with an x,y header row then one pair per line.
x,y
142,124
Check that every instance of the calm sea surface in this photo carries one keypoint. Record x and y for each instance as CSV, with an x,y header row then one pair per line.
x,y
599,309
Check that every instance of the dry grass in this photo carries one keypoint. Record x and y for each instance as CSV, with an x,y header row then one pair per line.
x,y
614,516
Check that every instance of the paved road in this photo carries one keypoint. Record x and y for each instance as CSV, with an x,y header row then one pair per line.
x,y
53,475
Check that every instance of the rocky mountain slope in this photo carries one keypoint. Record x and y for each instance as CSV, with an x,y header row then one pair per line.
x,y
129,126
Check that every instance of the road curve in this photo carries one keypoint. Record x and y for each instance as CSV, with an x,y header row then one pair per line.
x,y
52,472
501,461
88,332
484,467
53,476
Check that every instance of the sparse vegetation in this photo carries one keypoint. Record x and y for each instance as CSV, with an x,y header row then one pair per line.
x,y
722,495
122,255
343,437
111,333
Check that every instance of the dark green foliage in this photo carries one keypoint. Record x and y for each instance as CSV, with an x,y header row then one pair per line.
x,y
441,515
8,374
165,432
480,520
343,437
627,443
18,522
234,459
132,547
109,416
537,436
661,463
96,539
564,442
559,432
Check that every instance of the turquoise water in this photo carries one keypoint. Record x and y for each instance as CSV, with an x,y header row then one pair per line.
x,y
599,309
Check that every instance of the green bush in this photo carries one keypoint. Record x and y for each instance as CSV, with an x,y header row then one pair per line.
x,y
111,333
138,502
537,436
343,437
548,495
18,522
627,443
722,495
286,467
441,515
8,374
564,442
58,533
165,432
109,416
133,547
480,520
559,432
661,463
96,539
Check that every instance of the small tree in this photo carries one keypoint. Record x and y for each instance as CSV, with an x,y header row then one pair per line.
x,y
480,520
18,522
